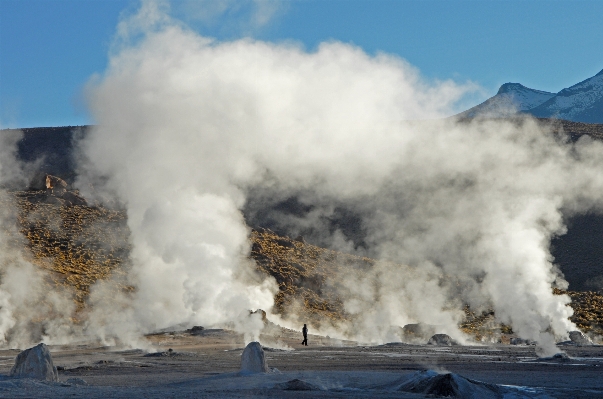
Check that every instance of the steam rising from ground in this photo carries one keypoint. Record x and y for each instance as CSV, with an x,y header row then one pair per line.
x,y
188,126
189,129
30,309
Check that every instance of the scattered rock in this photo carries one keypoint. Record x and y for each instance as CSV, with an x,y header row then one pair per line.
x,y
441,340
449,385
579,338
76,381
196,330
521,341
169,353
253,359
296,385
35,363
560,356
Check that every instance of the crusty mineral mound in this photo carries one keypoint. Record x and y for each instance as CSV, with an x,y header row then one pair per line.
x,y
449,385
253,359
35,363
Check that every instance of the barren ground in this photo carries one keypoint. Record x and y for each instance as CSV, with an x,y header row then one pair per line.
x,y
206,365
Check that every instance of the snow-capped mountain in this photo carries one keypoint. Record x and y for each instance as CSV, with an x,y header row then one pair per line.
x,y
510,99
582,102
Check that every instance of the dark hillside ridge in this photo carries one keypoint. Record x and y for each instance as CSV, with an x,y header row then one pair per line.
x,y
579,253
54,146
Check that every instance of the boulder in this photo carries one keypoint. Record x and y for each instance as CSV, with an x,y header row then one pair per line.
x,y
441,340
253,359
35,363
56,185
579,338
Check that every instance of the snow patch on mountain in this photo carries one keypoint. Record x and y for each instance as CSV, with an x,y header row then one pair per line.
x,y
582,102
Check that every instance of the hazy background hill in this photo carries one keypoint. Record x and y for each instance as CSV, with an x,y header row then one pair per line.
x,y
578,253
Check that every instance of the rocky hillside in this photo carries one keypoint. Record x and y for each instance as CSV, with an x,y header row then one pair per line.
x,y
79,245
579,253
76,244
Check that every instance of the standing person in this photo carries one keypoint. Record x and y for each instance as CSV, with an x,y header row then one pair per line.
x,y
305,332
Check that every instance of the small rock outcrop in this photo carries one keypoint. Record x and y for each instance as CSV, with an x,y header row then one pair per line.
x,y
253,359
296,385
521,341
441,340
56,185
579,338
196,330
35,363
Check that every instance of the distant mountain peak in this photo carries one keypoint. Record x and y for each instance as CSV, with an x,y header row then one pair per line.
x,y
510,99
509,87
518,87
582,102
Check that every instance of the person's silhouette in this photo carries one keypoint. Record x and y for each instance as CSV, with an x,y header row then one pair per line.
x,y
305,332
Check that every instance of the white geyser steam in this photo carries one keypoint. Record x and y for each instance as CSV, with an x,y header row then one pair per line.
x,y
186,126
30,308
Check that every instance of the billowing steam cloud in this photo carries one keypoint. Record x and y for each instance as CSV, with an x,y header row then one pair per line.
x,y
188,127
192,131
30,308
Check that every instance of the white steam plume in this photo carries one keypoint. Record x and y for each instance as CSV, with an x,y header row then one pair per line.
x,y
31,310
188,126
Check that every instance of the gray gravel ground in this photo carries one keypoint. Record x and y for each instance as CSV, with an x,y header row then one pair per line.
x,y
206,366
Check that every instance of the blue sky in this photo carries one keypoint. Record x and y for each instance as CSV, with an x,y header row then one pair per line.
x,y
49,48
